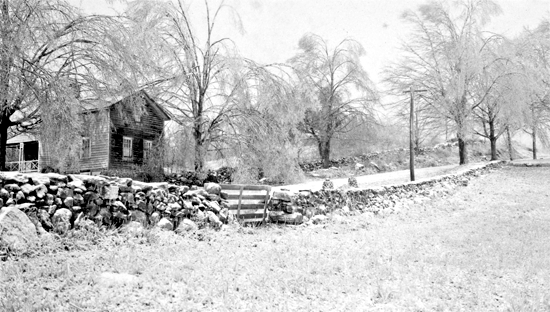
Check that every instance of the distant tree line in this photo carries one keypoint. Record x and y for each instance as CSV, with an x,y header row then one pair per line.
x,y
476,82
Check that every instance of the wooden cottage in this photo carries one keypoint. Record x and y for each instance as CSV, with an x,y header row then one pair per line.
x,y
119,135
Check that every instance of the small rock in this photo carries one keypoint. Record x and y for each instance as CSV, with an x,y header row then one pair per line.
x,y
328,184
133,228
116,280
352,182
289,218
104,216
336,218
318,219
154,218
284,196
109,192
20,196
41,190
213,219
138,216
165,224
186,225
52,209
62,220
224,215
27,188
4,194
119,206
76,183
44,218
214,206
68,202
212,188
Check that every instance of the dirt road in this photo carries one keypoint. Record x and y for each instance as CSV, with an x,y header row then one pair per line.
x,y
387,178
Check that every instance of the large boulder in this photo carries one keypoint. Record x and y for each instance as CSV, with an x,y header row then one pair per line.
x,y
16,229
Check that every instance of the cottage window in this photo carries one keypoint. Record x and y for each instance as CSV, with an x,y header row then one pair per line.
x,y
86,151
147,146
127,147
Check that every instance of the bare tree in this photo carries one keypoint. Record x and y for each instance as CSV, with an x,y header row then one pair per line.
x,y
340,89
501,106
442,56
52,62
534,57
200,71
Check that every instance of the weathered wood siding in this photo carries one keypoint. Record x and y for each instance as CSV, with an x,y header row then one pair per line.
x,y
97,128
145,125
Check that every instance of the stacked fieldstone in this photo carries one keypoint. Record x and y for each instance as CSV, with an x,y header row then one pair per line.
x,y
380,199
282,209
55,202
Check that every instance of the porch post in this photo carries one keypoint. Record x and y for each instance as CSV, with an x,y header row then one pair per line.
x,y
21,156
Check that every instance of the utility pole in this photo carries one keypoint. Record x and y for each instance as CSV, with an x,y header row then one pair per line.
x,y
411,131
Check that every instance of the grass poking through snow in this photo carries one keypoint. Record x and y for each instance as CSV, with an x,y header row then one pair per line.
x,y
483,248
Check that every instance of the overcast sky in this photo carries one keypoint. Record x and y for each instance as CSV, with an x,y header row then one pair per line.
x,y
272,28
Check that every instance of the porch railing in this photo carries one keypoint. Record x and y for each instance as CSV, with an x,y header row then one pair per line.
x,y
22,166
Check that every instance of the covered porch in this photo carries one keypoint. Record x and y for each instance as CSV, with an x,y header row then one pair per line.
x,y
23,153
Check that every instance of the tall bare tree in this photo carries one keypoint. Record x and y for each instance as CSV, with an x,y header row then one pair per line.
x,y
501,106
442,56
534,56
339,88
200,70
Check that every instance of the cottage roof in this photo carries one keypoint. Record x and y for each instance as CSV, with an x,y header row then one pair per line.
x,y
159,110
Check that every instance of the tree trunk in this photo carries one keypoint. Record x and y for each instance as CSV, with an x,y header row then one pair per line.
x,y
462,151
199,144
324,152
199,155
462,145
534,137
4,125
493,149
509,139
493,140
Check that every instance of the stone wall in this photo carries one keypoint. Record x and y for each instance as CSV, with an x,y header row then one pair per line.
x,y
57,203
381,199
